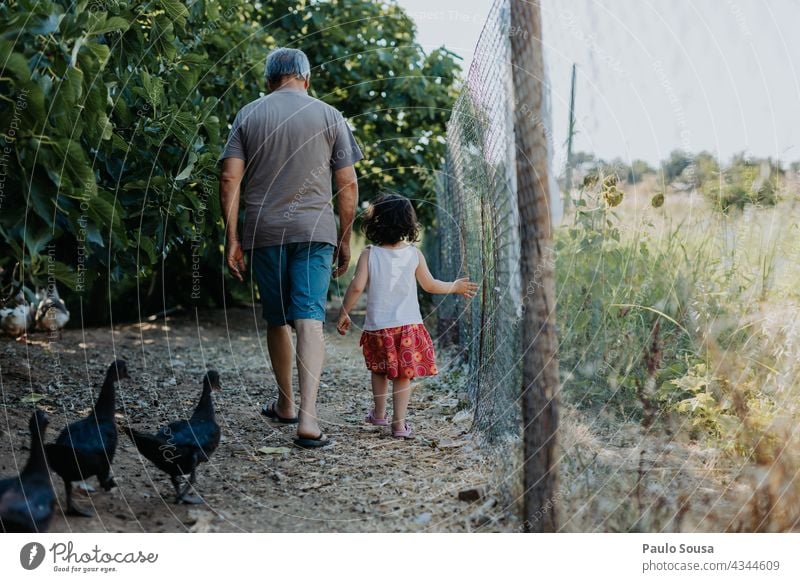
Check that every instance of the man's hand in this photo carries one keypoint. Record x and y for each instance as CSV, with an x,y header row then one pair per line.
x,y
341,259
344,322
235,258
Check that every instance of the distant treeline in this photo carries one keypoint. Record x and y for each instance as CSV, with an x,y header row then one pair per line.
x,y
740,181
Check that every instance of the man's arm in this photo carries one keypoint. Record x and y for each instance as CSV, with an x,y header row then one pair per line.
x,y
347,199
354,291
230,182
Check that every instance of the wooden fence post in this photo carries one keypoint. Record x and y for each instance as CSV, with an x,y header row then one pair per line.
x,y
540,366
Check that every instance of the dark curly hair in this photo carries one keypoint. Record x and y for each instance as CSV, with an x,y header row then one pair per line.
x,y
390,219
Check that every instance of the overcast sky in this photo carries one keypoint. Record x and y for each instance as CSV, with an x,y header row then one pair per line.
x,y
716,75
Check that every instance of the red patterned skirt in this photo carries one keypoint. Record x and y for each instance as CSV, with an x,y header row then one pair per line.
x,y
400,352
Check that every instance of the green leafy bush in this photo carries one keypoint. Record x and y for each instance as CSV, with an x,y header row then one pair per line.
x,y
745,181
114,112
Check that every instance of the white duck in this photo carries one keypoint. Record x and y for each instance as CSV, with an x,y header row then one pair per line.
x,y
51,312
17,316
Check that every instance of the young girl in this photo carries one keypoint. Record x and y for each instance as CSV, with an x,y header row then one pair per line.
x,y
396,345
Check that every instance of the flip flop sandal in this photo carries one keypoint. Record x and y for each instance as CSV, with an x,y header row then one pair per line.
x,y
371,419
405,433
268,410
312,443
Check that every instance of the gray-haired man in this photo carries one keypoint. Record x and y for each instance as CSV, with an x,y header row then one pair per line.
x,y
286,147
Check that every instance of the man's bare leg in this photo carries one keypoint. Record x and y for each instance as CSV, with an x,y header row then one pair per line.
x,y
281,354
310,357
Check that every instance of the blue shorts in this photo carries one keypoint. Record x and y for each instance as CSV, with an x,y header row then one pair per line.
x,y
293,280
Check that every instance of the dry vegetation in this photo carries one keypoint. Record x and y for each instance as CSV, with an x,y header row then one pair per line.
x,y
683,418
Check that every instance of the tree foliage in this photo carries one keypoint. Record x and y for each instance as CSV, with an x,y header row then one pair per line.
x,y
114,112
637,170
746,181
675,164
741,181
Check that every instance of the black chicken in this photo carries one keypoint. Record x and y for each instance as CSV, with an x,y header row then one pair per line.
x,y
27,500
86,447
177,449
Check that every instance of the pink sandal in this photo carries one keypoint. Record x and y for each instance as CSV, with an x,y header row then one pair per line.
x,y
376,421
403,434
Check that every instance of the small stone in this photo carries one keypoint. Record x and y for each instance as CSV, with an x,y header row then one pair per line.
x,y
423,518
462,416
449,402
472,494
200,521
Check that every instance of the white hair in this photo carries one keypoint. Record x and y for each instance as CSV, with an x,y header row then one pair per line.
x,y
287,62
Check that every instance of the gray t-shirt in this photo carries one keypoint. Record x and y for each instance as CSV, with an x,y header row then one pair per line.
x,y
291,144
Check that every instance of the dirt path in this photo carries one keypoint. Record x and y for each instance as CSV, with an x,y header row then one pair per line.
x,y
256,481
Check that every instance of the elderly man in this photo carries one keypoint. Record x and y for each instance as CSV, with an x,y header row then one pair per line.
x,y
286,147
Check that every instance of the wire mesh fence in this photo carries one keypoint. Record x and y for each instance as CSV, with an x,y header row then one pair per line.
x,y
478,231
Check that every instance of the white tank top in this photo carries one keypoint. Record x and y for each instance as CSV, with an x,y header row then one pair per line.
x,y
392,288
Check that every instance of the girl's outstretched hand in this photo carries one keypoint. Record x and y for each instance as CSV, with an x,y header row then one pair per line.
x,y
465,287
344,323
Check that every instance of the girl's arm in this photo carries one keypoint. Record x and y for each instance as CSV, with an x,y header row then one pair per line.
x,y
428,283
354,291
